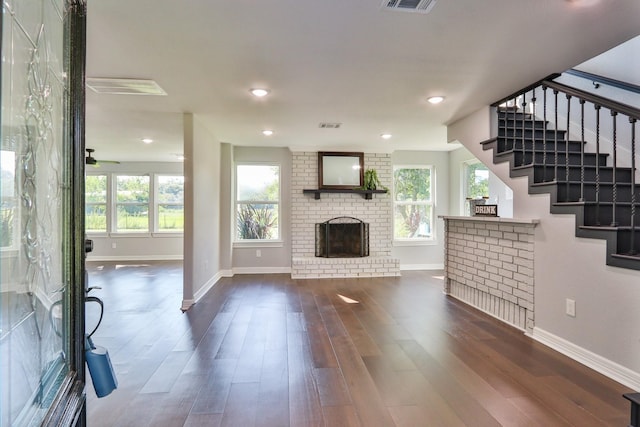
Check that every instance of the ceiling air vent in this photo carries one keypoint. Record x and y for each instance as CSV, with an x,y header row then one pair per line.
x,y
420,6
329,125
124,86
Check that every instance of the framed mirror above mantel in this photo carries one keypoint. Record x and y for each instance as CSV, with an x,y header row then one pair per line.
x,y
340,170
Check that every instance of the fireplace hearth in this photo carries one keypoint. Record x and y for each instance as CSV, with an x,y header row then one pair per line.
x,y
342,237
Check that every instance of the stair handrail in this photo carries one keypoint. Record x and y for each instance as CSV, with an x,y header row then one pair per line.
x,y
526,89
607,103
596,78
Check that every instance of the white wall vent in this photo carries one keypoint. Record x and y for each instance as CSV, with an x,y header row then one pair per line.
x,y
420,6
119,86
329,125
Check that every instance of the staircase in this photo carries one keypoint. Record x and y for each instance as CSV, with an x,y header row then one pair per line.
x,y
581,181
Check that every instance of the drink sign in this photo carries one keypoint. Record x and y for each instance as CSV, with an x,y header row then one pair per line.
x,y
485,210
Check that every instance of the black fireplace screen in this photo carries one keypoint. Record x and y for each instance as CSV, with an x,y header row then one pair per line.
x,y
342,237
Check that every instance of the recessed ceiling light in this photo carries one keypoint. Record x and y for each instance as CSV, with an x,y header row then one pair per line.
x,y
385,136
259,92
436,99
147,140
267,132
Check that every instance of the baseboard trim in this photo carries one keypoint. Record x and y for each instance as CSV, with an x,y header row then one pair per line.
x,y
136,258
226,273
410,267
606,367
261,270
187,304
207,287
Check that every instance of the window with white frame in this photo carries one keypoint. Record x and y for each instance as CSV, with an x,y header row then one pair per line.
x,y
413,201
169,202
257,202
8,201
132,203
476,183
95,190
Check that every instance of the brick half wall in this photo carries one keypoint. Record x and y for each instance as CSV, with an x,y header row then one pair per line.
x,y
489,265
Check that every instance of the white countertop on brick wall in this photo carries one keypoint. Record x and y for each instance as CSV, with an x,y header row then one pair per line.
x,y
492,219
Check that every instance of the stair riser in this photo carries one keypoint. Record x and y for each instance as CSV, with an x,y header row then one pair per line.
x,y
530,134
518,123
504,115
505,144
603,215
624,241
574,159
572,193
542,174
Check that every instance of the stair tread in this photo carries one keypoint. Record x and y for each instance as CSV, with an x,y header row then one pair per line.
x,y
627,256
572,166
606,183
608,227
593,203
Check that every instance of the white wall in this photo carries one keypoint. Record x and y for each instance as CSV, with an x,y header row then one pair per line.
x,y
147,246
202,195
428,255
274,257
604,332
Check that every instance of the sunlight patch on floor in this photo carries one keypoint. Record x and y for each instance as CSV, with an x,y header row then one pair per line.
x,y
348,300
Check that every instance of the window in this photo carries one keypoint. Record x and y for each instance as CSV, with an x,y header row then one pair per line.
x,y
8,201
169,203
257,202
95,188
476,183
413,203
132,203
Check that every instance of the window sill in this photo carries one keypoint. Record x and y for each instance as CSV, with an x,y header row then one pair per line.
x,y
170,234
9,252
258,244
415,242
144,234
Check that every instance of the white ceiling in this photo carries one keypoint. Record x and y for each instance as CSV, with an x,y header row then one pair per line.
x,y
344,61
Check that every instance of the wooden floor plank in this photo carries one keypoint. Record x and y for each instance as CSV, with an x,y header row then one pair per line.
x,y
266,350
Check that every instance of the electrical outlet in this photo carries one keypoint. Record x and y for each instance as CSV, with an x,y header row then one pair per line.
x,y
258,253
113,245
571,307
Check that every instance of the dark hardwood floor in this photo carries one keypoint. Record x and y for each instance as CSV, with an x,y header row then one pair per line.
x,y
266,350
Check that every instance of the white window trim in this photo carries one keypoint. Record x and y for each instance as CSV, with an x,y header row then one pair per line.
x,y
112,205
239,243
416,241
156,205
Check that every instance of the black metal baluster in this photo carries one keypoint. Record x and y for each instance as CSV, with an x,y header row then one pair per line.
x,y
523,136
614,222
597,107
632,251
555,137
582,150
566,148
533,130
544,134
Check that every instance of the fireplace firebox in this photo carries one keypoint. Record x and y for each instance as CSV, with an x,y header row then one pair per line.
x,y
342,237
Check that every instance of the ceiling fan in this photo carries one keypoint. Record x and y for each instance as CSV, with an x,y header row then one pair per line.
x,y
90,160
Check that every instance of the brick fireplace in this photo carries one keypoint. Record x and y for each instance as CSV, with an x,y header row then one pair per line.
x,y
307,212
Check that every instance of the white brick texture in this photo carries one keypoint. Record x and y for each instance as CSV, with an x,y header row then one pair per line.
x,y
489,265
306,212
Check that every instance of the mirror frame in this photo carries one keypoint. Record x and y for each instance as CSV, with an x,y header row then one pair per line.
x,y
322,155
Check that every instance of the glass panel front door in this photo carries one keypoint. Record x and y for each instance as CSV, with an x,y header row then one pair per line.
x,y
35,267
